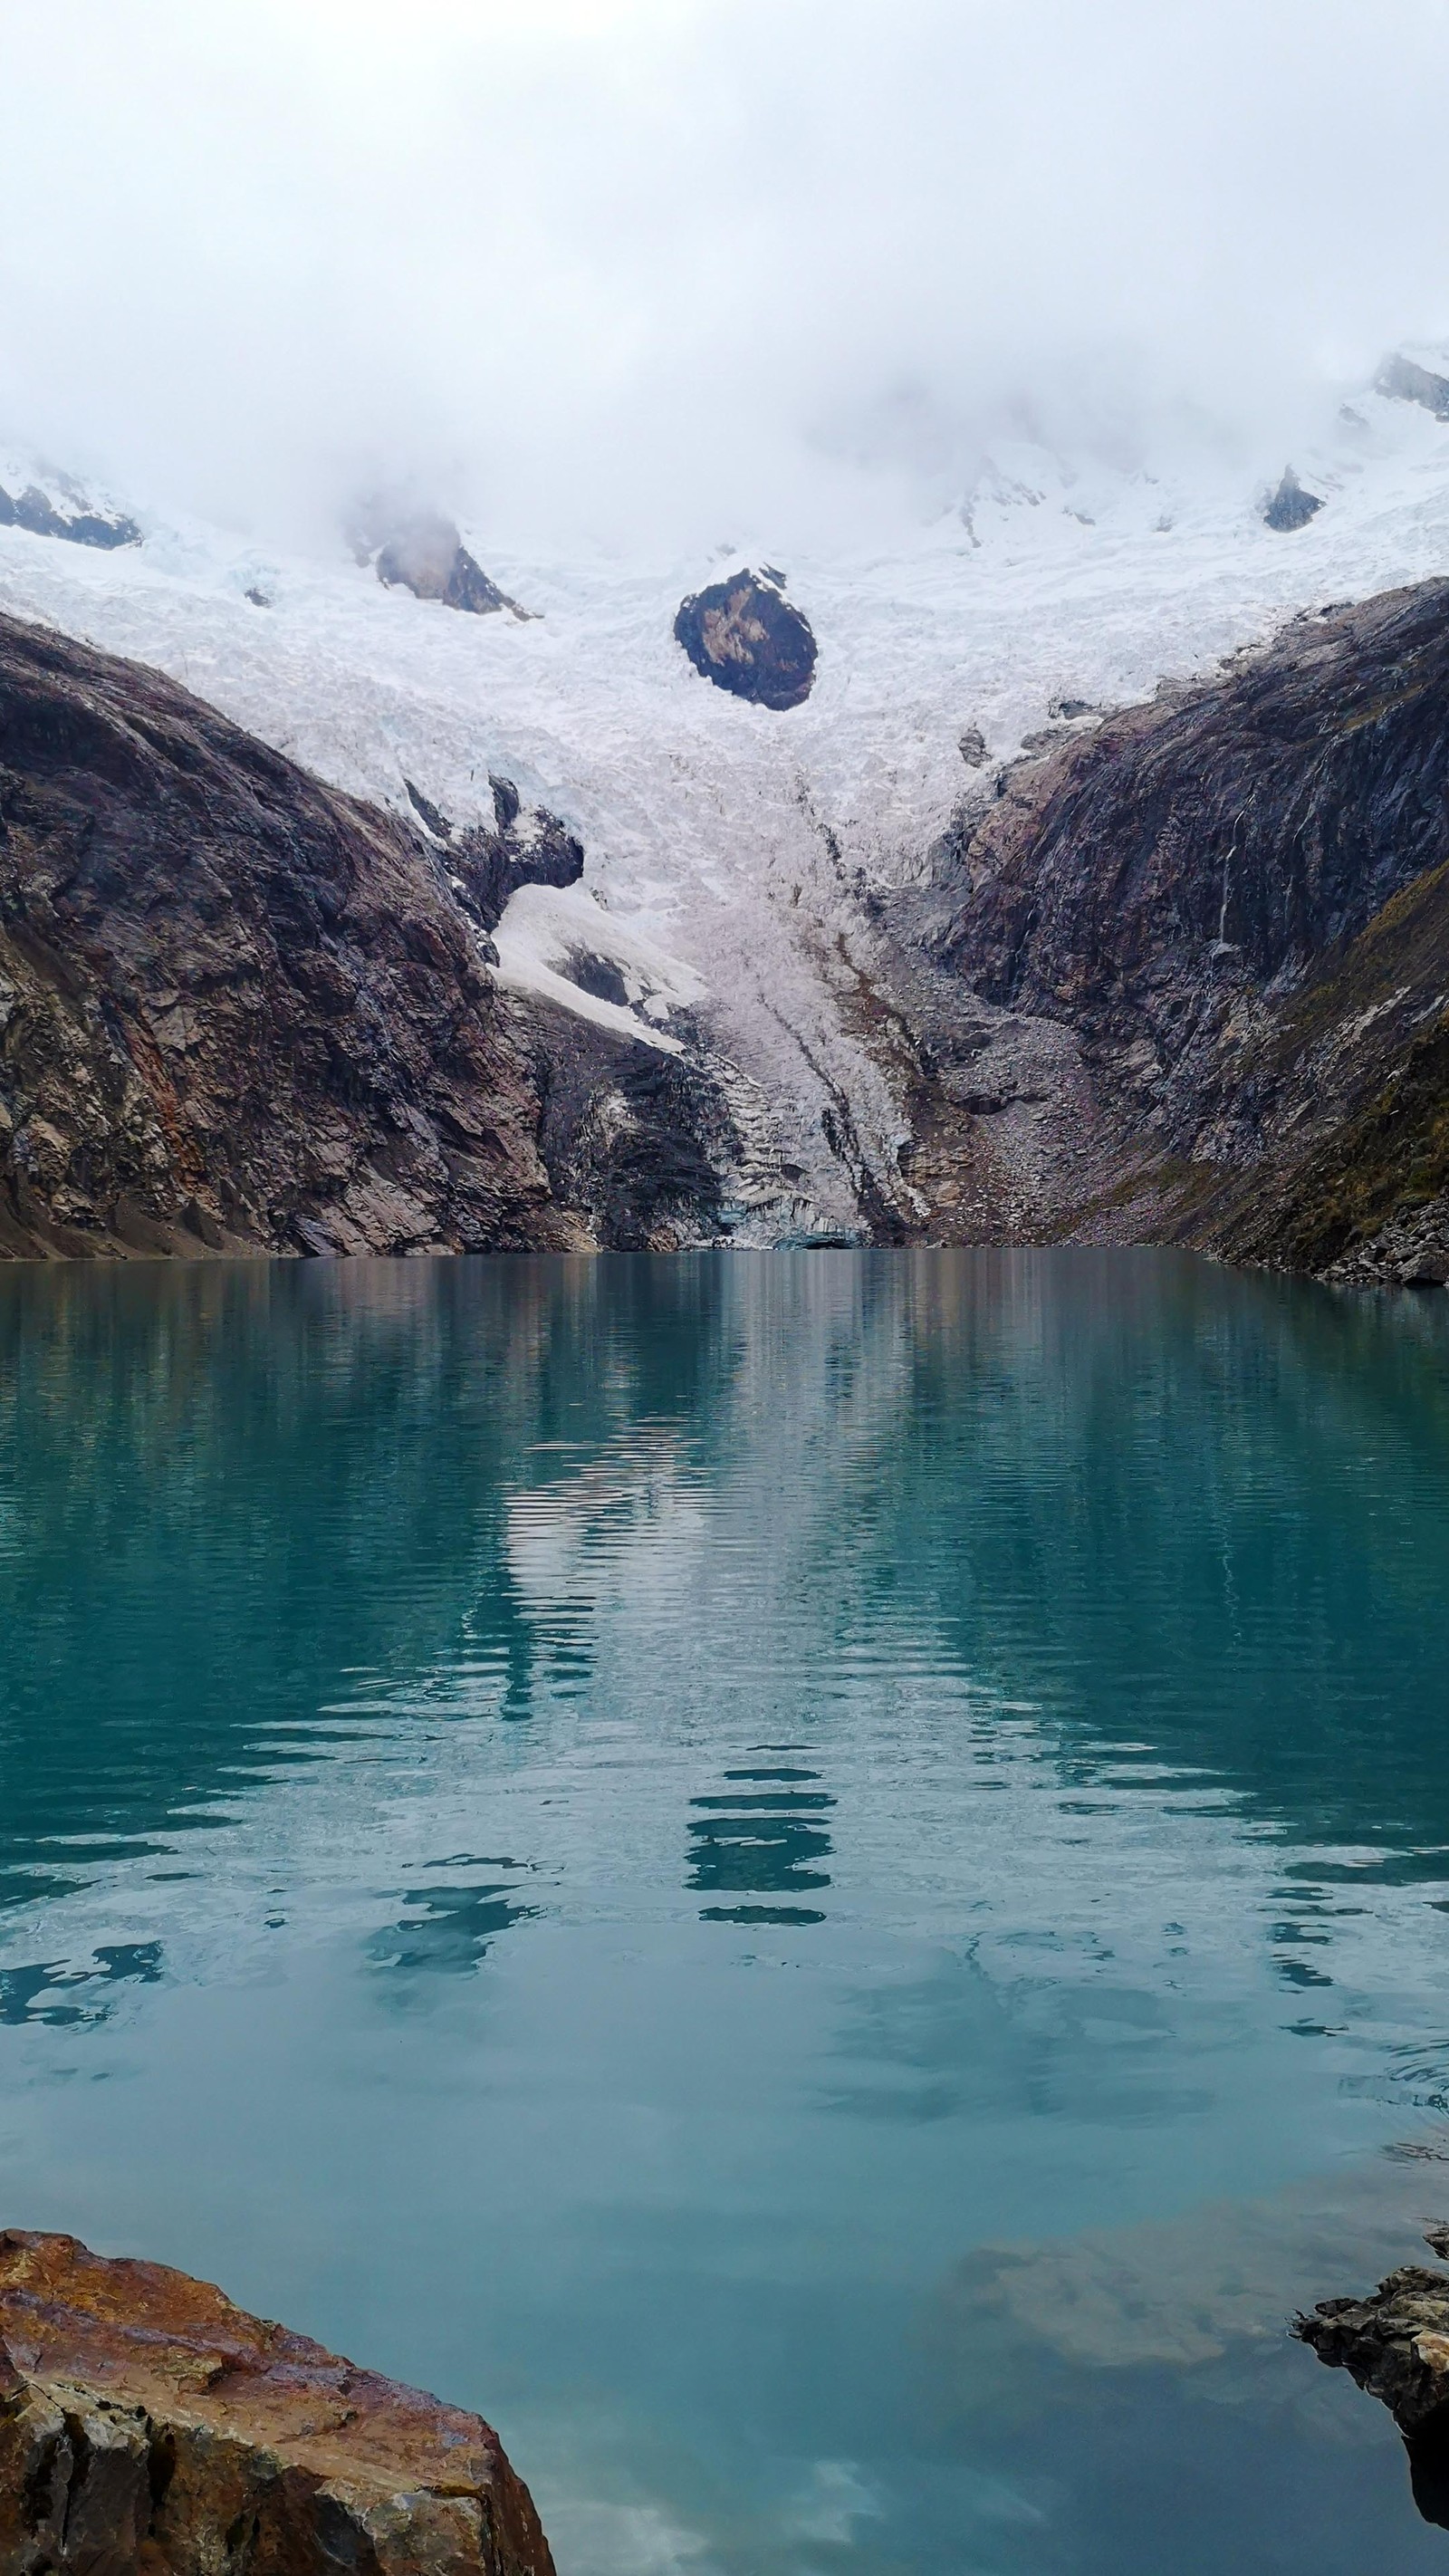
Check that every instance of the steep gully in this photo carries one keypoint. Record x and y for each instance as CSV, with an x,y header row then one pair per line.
x,y
1181,974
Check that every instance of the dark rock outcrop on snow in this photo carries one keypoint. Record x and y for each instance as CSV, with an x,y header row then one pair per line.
x,y
1290,506
150,2428
237,1010
422,551
76,522
487,867
744,635
1232,906
1395,2344
1405,381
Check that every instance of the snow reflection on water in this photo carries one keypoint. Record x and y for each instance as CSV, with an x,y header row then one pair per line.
x,y
779,1871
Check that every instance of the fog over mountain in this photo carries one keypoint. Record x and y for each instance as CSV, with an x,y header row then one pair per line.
x,y
650,270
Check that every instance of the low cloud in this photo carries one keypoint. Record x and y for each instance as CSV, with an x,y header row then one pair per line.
x,y
661,272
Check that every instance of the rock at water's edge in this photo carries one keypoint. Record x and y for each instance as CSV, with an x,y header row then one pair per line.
x,y
744,635
146,2424
1396,2345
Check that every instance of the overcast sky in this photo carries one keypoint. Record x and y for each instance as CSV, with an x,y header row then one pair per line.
x,y
661,268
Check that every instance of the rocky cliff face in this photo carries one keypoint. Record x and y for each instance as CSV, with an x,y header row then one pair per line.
x,y
240,1012
237,1011
147,2424
1180,975
1205,943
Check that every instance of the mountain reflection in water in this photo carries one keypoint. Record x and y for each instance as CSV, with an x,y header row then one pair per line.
x,y
761,1841
819,1879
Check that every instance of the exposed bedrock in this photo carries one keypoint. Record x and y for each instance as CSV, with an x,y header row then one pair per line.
x,y
1290,506
422,551
745,636
1404,380
1395,2344
71,516
237,1010
150,2428
241,1012
1233,904
659,1152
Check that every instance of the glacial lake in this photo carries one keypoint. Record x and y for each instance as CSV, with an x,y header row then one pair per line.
x,y
821,1881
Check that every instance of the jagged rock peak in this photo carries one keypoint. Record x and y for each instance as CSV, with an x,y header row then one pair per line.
x,y
147,2424
1405,381
745,636
489,866
422,551
1290,506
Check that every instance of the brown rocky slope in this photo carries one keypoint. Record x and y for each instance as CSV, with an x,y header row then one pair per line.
x,y
241,1012
1191,964
150,2428
238,1011
1180,976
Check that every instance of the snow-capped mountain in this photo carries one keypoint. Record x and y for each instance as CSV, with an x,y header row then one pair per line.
x,y
732,851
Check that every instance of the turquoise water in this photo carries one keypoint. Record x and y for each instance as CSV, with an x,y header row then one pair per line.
x,y
821,1881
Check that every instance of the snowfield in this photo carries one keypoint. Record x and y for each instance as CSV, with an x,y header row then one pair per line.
x,y
725,843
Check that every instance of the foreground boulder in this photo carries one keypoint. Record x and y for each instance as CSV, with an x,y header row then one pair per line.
x,y
1395,2344
148,2425
744,635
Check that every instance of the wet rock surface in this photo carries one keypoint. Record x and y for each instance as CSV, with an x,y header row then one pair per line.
x,y
745,636
1395,2344
148,2425
638,1140
240,1012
